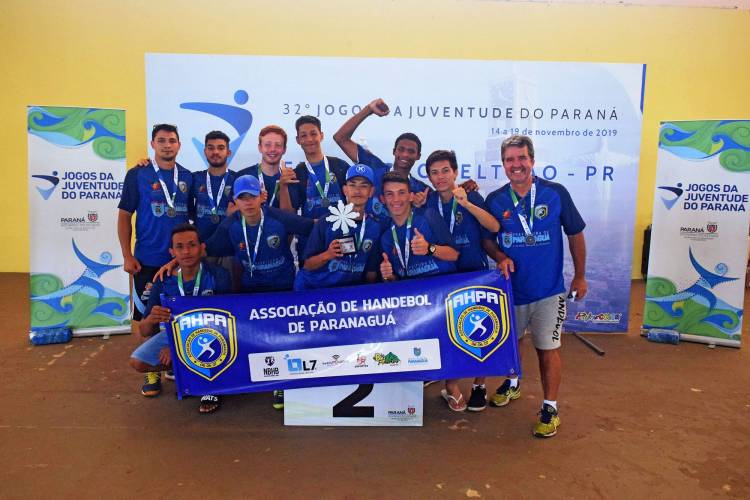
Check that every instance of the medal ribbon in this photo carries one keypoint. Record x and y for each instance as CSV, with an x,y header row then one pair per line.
x,y
197,281
522,217
169,197
362,232
257,242
454,207
407,246
323,192
215,206
261,178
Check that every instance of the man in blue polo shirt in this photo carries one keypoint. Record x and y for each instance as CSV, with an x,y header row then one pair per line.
x,y
256,235
193,278
212,188
464,213
337,256
469,223
418,243
533,213
406,151
158,193
274,176
321,177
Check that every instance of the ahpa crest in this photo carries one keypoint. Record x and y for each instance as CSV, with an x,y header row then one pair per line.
x,y
206,341
478,320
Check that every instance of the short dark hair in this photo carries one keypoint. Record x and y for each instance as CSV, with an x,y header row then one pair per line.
x,y
217,134
442,155
166,127
517,141
307,119
272,129
409,137
184,228
393,176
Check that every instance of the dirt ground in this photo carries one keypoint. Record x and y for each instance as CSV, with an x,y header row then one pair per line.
x,y
645,420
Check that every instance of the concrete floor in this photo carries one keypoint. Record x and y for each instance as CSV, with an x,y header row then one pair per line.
x,y
645,420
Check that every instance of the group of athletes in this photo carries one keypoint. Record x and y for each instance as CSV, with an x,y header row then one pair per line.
x,y
243,223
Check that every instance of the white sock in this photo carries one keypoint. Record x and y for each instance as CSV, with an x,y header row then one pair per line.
x,y
553,404
474,386
513,382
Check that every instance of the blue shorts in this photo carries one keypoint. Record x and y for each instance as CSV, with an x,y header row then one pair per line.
x,y
148,352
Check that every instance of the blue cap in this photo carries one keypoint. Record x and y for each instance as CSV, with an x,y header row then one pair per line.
x,y
360,170
246,184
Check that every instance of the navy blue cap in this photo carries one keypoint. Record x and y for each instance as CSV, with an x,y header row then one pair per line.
x,y
246,184
360,170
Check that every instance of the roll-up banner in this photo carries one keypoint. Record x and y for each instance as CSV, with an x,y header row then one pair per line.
x,y
445,327
76,173
584,118
699,244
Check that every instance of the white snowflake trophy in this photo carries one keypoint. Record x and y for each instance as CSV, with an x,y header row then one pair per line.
x,y
344,217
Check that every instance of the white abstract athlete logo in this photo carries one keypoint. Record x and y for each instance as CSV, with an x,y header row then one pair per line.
x,y
476,321
205,343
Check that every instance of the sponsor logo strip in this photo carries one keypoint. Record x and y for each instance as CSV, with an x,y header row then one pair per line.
x,y
339,361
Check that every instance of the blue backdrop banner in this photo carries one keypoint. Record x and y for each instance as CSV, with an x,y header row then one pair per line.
x,y
452,326
584,118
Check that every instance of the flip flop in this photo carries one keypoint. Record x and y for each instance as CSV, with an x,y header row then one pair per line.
x,y
209,404
453,403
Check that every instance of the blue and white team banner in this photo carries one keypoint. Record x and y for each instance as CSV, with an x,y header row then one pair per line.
x,y
452,326
76,174
584,118
698,256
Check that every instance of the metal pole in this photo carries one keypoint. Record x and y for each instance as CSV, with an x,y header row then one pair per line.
x,y
589,344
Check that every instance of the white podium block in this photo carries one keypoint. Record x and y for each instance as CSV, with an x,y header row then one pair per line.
x,y
391,404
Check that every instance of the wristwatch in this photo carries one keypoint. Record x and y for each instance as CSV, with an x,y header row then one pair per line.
x,y
431,249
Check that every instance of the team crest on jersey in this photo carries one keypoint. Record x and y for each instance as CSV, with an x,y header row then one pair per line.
x,y
158,208
366,245
541,211
183,186
478,320
507,240
155,186
273,241
459,217
206,341
202,189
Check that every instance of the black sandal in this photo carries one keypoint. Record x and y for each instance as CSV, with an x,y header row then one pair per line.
x,y
209,404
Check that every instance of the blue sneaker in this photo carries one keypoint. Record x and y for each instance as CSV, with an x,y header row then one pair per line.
x,y
548,423
505,394
278,400
152,385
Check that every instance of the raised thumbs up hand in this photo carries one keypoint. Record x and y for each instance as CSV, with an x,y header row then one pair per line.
x,y
421,197
386,269
460,195
419,245
287,176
